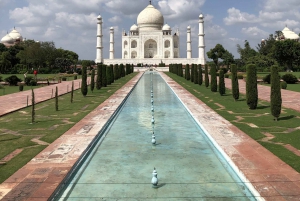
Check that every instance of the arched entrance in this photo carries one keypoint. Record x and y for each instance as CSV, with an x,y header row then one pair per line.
x,y
150,49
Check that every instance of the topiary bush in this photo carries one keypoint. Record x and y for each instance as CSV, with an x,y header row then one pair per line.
x,y
75,77
33,83
13,80
251,87
283,85
240,76
1,79
21,87
226,75
275,97
213,82
64,79
28,80
267,79
289,78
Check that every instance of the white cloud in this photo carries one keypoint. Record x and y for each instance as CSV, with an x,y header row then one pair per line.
x,y
235,16
115,19
255,32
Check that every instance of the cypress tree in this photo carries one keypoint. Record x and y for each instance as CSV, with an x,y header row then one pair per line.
x,y
112,75
122,70
196,74
251,87
104,78
108,78
213,82
188,75
200,76
116,72
222,88
275,97
93,80
56,99
234,82
206,76
72,92
32,106
84,87
99,76
192,73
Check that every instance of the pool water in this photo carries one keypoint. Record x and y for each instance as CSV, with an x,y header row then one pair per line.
x,y
188,166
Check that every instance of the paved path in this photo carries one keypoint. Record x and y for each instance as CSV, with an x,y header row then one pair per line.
x,y
12,102
290,99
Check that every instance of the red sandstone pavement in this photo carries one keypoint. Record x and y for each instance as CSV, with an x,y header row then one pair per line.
x,y
12,102
271,177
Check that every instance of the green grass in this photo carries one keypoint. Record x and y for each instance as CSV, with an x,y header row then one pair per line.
x,y
16,132
260,117
40,76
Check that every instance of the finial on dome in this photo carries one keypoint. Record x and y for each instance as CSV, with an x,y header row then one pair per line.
x,y
150,2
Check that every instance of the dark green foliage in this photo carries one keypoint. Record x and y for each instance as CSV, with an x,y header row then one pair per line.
x,y
240,76
192,73
64,79
283,85
112,75
104,78
1,79
28,80
32,106
213,82
13,80
235,82
206,76
267,79
99,76
226,75
84,87
75,77
122,70
200,75
56,99
251,87
116,72
108,75
195,74
72,92
222,88
290,78
187,72
93,80
275,97
21,87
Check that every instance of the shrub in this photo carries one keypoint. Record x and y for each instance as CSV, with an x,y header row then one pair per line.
x,y
206,76
21,87
251,87
267,79
289,78
28,80
240,76
213,82
235,83
13,80
225,70
75,77
79,71
33,83
226,75
84,87
283,85
1,79
187,72
32,106
222,88
93,80
275,97
200,76
64,79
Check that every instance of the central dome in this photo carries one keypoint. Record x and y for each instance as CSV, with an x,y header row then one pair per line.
x,y
150,19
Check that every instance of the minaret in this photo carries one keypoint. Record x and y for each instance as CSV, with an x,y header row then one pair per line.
x,y
111,48
99,55
201,40
189,43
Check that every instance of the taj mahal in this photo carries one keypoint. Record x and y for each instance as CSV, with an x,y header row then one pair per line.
x,y
151,42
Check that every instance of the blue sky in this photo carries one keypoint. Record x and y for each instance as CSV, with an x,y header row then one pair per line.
x,y
72,24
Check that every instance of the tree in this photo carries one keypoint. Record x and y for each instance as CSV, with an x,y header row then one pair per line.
x,y
72,92
32,106
196,74
56,99
213,82
192,73
200,76
234,82
275,96
104,78
285,52
99,77
216,53
187,72
84,87
206,76
222,88
246,52
228,58
251,87
93,80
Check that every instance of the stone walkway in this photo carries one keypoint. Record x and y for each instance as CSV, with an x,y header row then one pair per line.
x,y
16,101
37,180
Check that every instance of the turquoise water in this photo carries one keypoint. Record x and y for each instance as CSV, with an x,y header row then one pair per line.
x,y
120,167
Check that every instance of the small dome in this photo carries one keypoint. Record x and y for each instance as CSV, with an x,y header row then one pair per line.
x,y
7,39
201,16
134,28
166,27
15,35
288,34
99,17
150,19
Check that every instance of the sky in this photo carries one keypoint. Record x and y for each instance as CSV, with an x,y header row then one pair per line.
x,y
72,24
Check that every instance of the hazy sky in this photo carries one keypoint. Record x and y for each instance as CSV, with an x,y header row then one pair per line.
x,y
71,24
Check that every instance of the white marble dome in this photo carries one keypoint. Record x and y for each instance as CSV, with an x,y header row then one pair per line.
x,y
15,35
288,34
7,39
166,27
134,28
150,19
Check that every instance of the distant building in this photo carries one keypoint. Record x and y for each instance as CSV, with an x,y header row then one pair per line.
x,y
12,38
288,34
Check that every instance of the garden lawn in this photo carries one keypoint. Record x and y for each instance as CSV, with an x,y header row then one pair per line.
x,y
16,132
255,123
